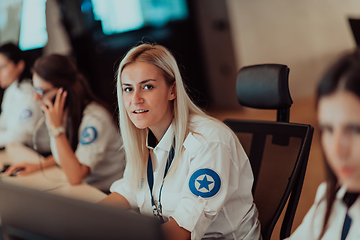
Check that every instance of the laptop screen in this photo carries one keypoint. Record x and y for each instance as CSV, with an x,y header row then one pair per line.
x,y
52,216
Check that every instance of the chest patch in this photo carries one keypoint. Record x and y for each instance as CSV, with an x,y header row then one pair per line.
x,y
88,135
205,183
25,114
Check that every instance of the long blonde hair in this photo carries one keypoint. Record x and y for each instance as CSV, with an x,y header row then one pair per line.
x,y
135,139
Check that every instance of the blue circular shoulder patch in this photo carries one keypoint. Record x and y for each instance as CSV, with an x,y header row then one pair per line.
x,y
88,135
205,183
25,114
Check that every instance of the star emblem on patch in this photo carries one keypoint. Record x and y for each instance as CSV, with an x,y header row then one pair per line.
x,y
88,135
25,114
205,183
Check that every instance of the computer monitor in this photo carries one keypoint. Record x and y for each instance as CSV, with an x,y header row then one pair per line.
x,y
32,214
33,33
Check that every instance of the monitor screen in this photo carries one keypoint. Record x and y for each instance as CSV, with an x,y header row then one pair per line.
x,y
27,213
33,32
118,16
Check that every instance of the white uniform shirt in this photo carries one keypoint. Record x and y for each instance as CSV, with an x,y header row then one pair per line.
x,y
19,115
312,224
209,194
99,147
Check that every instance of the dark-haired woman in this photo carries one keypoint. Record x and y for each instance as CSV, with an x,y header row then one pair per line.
x,y
336,211
20,113
84,138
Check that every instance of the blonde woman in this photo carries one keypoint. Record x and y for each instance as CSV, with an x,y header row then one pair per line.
x,y
183,166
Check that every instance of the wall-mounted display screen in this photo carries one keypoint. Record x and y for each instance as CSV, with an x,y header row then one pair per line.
x,y
118,16
33,25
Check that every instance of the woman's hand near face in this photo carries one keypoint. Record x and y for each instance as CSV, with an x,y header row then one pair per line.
x,y
54,112
73,169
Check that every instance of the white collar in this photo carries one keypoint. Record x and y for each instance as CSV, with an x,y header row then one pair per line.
x,y
14,84
165,142
341,193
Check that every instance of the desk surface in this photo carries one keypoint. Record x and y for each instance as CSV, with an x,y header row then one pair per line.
x,y
52,179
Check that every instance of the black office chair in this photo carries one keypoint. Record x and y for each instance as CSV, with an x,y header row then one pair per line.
x,y
278,150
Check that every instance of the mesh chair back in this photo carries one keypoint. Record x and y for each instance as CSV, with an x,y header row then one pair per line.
x,y
278,153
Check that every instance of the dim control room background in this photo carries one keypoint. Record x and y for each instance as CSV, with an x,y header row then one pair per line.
x,y
211,39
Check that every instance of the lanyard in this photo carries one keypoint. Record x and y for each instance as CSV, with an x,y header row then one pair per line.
x,y
157,209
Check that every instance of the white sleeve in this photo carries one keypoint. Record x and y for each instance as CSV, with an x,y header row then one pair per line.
x,y
1,123
21,126
312,223
196,213
122,187
1,113
94,135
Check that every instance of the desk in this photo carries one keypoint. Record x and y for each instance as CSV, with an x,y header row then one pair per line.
x,y
51,179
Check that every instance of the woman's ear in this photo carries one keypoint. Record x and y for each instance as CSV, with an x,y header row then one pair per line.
x,y
20,66
173,92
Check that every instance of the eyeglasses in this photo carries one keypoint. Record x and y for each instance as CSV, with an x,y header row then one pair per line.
x,y
41,92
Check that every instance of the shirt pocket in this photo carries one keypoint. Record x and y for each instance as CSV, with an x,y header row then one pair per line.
x,y
169,202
